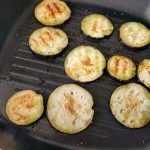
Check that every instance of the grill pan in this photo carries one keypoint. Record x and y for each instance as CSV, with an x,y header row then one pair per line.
x,y
21,69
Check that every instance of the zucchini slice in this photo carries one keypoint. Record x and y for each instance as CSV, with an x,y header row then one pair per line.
x,y
48,41
52,12
69,108
134,34
84,64
144,72
24,107
121,68
130,105
96,26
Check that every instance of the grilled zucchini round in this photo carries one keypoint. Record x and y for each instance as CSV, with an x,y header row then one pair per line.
x,y
48,41
130,105
69,108
135,34
84,64
144,72
24,107
121,68
52,12
96,26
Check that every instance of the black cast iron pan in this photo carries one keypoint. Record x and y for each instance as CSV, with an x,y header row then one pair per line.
x,y
21,69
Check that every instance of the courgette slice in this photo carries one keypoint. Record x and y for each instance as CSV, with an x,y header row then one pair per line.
x,y
69,108
134,34
121,67
24,107
84,64
144,72
96,26
48,41
130,105
52,12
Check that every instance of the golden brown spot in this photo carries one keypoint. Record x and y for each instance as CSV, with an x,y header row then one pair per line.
x,y
94,28
71,104
86,62
21,118
43,40
57,7
69,71
50,37
29,106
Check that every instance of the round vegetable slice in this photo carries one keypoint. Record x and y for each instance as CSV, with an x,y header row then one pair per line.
x,y
96,26
135,34
24,107
121,68
69,108
84,64
52,12
144,72
130,105
48,41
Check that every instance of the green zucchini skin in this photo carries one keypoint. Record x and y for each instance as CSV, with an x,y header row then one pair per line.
x,y
69,109
121,68
134,35
130,105
84,64
52,12
96,26
48,41
24,107
144,72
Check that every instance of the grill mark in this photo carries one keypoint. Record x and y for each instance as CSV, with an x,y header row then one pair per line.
x,y
50,9
49,36
116,66
125,66
43,40
35,41
94,26
57,7
58,34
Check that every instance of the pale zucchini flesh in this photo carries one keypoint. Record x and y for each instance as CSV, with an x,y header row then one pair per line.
x,y
130,105
24,107
52,12
96,26
144,72
48,41
134,34
84,64
121,67
69,108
